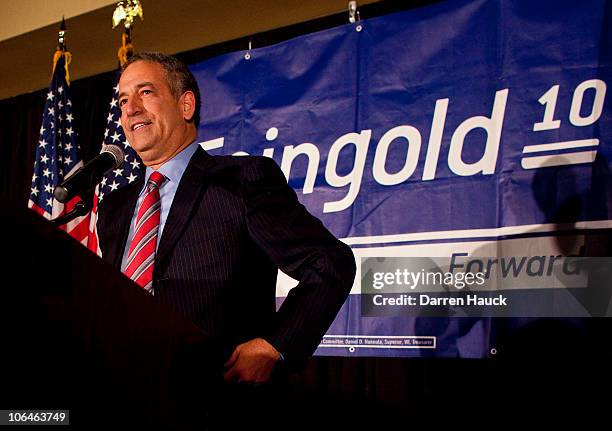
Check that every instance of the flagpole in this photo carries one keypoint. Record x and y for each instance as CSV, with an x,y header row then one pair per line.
x,y
133,168
82,207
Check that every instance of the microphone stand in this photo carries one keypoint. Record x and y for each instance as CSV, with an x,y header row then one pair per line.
x,y
80,209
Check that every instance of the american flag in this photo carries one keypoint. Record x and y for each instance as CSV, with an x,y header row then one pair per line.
x,y
114,180
57,153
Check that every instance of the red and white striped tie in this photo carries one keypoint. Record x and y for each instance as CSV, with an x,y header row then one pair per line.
x,y
141,255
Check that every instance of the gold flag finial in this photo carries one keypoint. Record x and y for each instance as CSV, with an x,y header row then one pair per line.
x,y
62,51
61,36
127,10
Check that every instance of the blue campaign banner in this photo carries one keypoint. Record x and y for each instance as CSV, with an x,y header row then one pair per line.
x,y
466,126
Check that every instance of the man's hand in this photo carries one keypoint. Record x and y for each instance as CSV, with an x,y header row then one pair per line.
x,y
251,362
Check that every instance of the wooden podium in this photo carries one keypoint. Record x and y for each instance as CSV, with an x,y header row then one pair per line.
x,y
78,335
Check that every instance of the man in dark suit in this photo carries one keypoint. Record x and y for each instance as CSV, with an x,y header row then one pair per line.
x,y
225,225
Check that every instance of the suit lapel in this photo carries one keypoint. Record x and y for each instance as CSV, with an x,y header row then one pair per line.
x,y
185,201
118,209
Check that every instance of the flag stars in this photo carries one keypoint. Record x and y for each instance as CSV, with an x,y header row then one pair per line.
x,y
131,178
115,137
118,123
118,172
114,186
113,103
56,151
106,133
103,182
110,117
135,164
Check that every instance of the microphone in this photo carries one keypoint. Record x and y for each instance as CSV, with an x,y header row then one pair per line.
x,y
84,179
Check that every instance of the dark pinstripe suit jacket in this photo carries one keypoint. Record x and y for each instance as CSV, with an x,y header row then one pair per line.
x,y
233,222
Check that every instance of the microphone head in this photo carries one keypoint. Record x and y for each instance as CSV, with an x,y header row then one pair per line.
x,y
116,152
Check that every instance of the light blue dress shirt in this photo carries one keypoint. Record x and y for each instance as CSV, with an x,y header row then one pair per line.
x,y
173,170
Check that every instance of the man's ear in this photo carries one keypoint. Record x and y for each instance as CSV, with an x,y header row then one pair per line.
x,y
187,104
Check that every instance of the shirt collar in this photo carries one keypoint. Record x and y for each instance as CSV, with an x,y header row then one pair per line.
x,y
174,168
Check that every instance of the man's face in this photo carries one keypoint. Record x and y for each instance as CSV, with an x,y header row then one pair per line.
x,y
151,117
